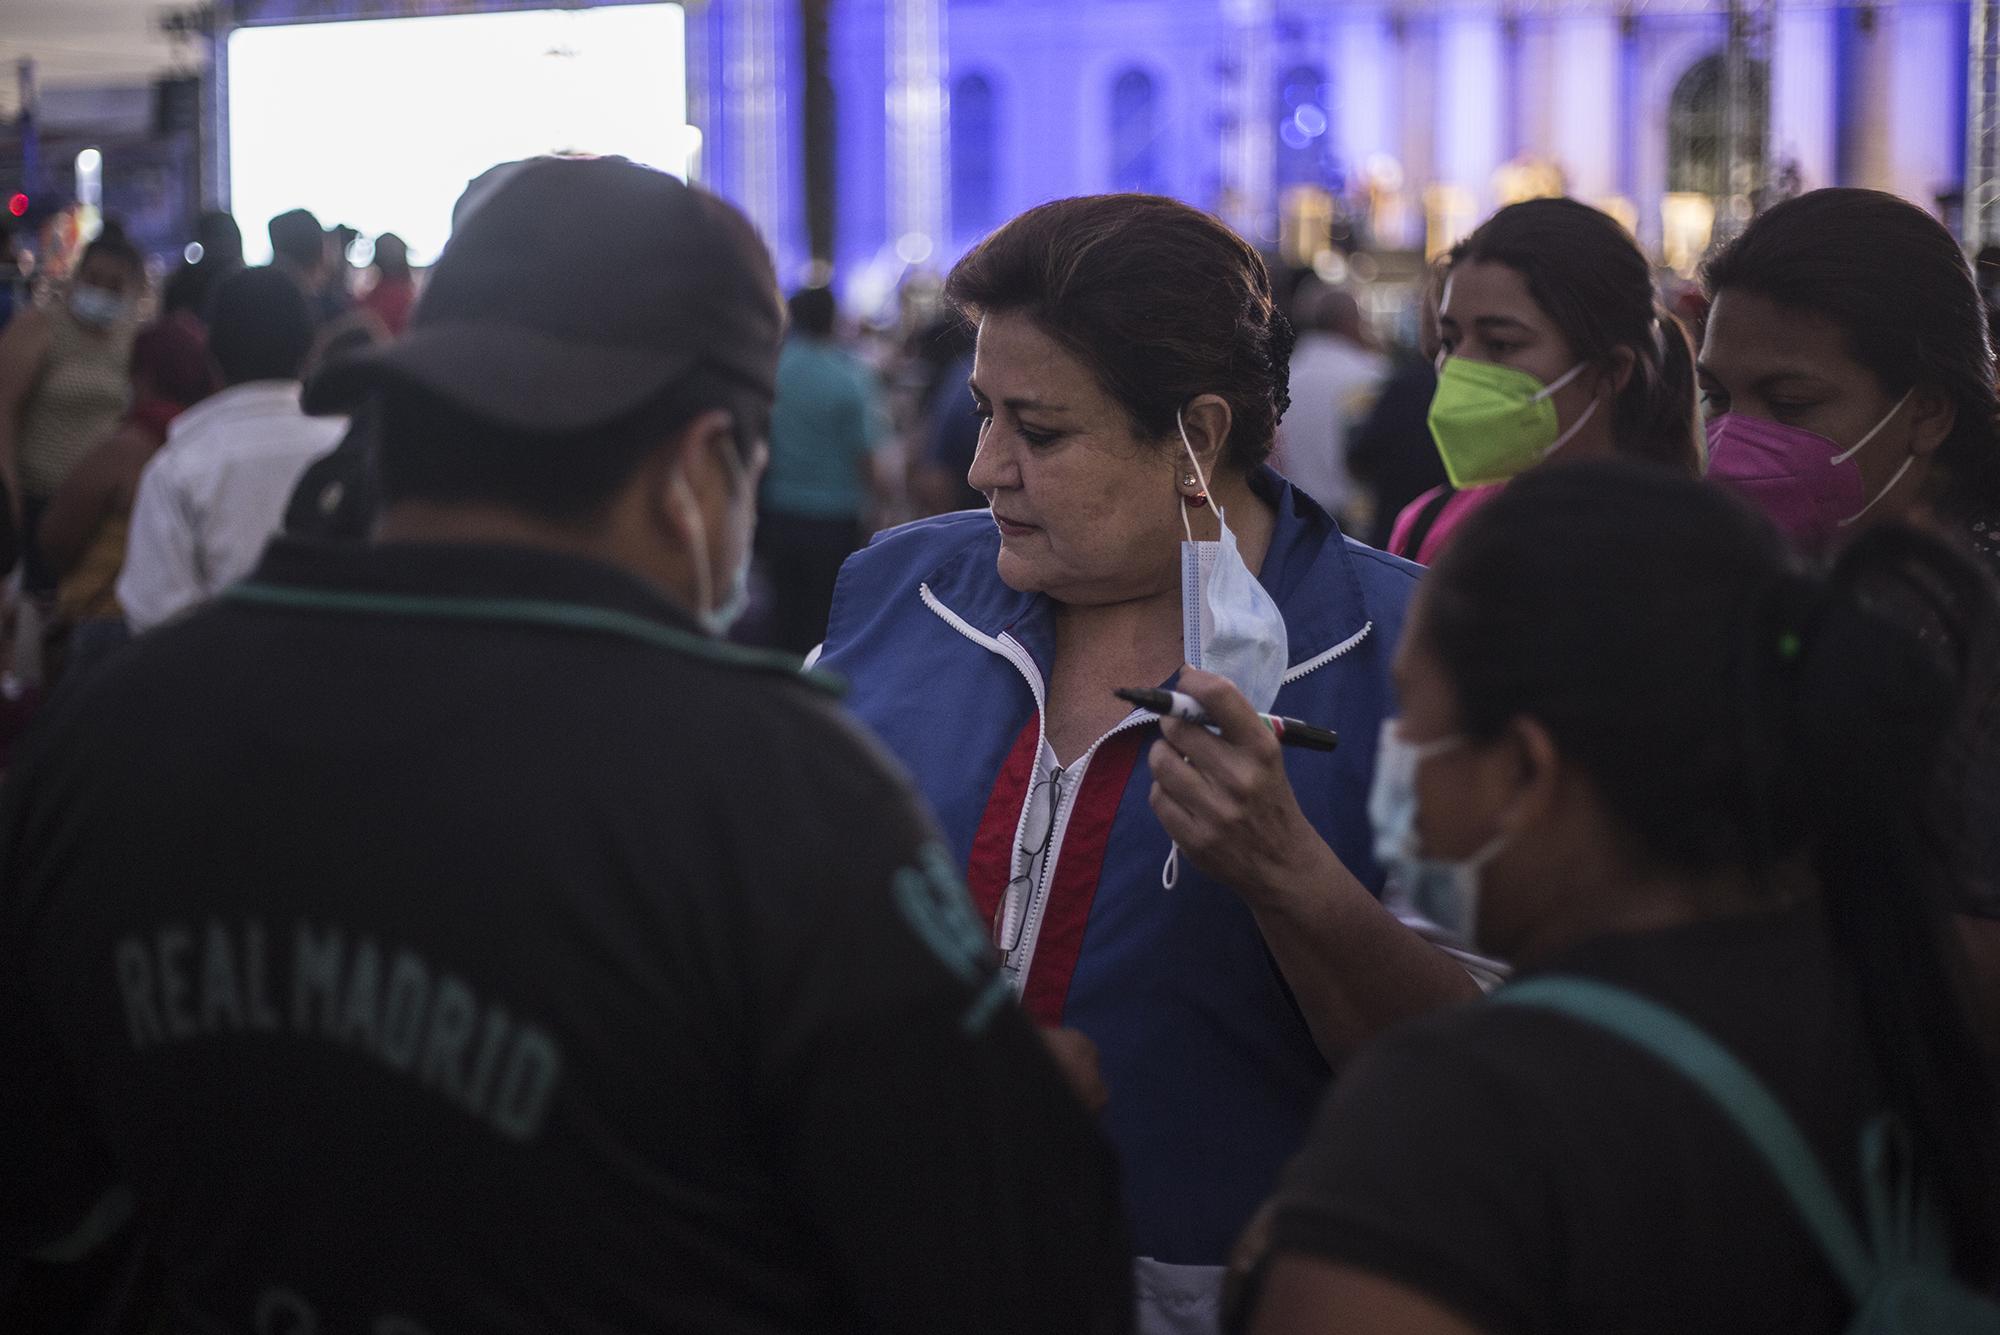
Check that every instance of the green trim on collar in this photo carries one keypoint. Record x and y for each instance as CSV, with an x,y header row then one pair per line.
x,y
536,611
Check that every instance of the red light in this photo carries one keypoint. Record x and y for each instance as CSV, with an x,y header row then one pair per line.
x,y
18,206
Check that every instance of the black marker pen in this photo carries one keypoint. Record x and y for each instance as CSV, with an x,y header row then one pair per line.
x,y
1173,704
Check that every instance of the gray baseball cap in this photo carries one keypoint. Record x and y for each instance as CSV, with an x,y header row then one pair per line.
x,y
572,292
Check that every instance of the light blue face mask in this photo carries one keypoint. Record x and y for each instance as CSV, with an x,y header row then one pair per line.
x,y
1229,623
95,306
1441,891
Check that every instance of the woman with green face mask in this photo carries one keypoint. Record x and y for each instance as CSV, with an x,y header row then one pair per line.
x,y
1552,345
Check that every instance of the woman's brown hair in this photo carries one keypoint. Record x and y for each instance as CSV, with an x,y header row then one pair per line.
x,y
1160,300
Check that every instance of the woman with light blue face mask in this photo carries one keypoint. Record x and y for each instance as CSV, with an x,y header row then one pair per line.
x,y
1700,800
1199,907
63,383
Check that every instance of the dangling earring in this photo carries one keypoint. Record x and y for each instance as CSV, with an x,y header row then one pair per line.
x,y
1200,498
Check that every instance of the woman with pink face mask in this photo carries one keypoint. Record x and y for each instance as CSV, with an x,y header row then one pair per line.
x,y
1847,380
1846,374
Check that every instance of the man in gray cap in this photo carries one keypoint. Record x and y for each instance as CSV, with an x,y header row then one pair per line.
x,y
447,933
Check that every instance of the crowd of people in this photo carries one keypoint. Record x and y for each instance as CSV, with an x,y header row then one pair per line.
x,y
572,796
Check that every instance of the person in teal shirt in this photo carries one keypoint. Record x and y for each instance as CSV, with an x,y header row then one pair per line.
x,y
826,425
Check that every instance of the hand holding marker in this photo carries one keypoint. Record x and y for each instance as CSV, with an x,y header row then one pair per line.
x,y
1173,704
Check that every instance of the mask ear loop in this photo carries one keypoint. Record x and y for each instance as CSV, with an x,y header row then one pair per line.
x,y
1875,431
1199,476
704,587
1562,380
1170,874
1586,415
1843,523
1574,427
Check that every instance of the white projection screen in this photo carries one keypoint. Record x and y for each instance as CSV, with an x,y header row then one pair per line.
x,y
379,123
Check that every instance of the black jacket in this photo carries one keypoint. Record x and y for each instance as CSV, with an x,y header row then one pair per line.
x,y
454,934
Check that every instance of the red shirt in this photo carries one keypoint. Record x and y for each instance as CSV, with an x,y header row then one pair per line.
x,y
389,301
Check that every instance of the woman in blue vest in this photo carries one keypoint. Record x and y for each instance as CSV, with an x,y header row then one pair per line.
x,y
1694,794
1131,368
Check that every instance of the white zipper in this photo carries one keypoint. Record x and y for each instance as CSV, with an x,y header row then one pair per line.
x,y
968,630
1012,650
1338,651
1016,963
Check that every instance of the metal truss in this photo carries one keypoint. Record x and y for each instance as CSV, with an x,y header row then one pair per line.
x,y
1982,131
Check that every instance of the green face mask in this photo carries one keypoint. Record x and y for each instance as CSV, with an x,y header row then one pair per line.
x,y
1491,422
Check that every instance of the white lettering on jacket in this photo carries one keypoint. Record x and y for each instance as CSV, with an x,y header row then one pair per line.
x,y
183,984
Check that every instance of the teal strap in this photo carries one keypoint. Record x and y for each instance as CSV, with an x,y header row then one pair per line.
x,y
571,616
1734,1089
1905,1225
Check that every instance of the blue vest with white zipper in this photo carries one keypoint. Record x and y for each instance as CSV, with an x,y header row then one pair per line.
x,y
1213,1074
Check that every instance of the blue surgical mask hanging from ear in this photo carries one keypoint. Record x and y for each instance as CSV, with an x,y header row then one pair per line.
x,y
1230,625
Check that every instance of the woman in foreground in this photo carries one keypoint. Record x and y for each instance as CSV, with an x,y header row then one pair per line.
x,y
1655,756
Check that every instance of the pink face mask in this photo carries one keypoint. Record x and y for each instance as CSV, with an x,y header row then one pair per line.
x,y
1808,486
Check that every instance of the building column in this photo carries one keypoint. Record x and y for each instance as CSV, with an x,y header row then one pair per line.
x,y
754,87
1589,113
918,202
1472,105
1250,146
215,121
739,97
1513,103
1537,79
1981,224
1865,89
1361,70
1630,120
1416,39
1925,53
1746,112
1804,103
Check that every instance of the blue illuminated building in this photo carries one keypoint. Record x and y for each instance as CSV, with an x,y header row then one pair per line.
x,y
1383,123
1405,118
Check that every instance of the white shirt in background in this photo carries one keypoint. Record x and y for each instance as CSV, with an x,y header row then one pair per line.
x,y
1334,382
215,494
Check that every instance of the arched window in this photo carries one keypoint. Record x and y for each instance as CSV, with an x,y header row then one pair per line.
x,y
1303,124
1698,127
975,156
1135,133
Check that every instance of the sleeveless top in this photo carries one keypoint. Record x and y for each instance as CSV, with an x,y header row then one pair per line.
x,y
76,403
89,592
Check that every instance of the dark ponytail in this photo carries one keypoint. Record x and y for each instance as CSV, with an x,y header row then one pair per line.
x,y
1895,678
1736,714
1589,277
1671,388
